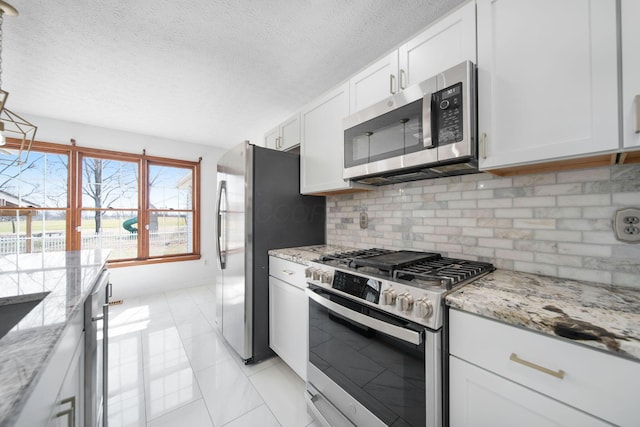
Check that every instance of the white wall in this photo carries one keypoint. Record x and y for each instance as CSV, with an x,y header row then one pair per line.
x,y
139,280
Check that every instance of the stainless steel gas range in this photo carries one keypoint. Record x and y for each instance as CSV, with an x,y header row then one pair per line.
x,y
375,335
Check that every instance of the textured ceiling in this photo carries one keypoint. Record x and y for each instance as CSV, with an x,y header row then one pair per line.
x,y
211,72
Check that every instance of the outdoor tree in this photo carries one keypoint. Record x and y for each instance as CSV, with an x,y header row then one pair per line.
x,y
105,182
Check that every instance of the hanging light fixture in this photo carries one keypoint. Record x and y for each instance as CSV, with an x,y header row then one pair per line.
x,y
12,124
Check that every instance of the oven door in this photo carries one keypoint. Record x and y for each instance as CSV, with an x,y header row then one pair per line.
x,y
370,368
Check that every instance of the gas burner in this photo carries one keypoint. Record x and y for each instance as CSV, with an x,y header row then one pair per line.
x,y
445,271
347,258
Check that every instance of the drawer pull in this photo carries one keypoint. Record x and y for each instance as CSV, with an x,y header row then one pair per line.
x,y
288,272
557,374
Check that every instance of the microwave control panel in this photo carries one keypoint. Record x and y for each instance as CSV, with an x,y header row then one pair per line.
x,y
447,108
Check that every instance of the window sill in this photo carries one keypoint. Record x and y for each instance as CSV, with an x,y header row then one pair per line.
x,y
160,260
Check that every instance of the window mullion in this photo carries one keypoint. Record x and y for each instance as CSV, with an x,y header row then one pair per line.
x,y
143,210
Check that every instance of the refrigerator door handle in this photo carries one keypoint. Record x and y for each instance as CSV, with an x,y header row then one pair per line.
x,y
222,258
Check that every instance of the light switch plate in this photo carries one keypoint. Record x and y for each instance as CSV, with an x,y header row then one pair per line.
x,y
627,225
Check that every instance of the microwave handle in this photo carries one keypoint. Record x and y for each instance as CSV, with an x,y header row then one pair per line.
x,y
427,107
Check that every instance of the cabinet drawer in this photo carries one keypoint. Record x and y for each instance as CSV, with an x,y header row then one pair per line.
x,y
287,271
600,384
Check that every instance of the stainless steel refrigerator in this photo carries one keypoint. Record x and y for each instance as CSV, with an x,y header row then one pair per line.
x,y
259,207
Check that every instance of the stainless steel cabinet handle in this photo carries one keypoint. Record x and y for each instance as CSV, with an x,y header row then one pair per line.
x,y
69,413
483,145
219,212
105,364
403,80
278,143
558,374
392,83
637,100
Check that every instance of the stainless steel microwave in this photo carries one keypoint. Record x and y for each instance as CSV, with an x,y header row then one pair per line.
x,y
426,131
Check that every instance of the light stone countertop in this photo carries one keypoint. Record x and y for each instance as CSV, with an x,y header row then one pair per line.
x,y
25,350
604,317
304,254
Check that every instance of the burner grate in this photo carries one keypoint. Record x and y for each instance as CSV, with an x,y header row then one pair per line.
x,y
446,271
348,257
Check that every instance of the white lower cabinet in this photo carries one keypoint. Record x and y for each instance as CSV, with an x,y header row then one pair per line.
x,y
70,403
56,399
480,398
501,375
288,314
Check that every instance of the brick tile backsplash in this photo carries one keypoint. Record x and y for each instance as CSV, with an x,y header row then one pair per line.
x,y
558,224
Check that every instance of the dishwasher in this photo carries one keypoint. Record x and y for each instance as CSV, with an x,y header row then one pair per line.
x,y
96,320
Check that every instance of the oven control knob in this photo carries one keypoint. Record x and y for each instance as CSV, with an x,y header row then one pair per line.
x,y
424,308
405,301
326,277
308,272
389,296
316,274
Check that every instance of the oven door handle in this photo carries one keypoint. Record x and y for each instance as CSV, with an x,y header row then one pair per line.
x,y
398,332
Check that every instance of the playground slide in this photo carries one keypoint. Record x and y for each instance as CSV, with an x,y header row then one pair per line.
x,y
128,225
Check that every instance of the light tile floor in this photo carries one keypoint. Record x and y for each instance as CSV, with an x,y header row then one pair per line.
x,y
169,367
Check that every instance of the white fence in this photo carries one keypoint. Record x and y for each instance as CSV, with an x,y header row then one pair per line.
x,y
123,244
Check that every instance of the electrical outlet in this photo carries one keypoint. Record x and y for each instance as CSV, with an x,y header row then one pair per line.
x,y
364,220
627,225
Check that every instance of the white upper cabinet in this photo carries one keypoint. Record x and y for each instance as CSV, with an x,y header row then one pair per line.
x,y
444,44
631,73
375,83
322,148
285,136
547,80
271,138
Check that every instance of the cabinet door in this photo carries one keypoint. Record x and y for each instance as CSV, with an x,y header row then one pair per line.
x,y
631,72
444,44
479,398
547,80
322,148
271,138
375,83
290,133
288,334
69,407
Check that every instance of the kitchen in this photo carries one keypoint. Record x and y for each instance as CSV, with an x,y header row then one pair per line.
x,y
552,222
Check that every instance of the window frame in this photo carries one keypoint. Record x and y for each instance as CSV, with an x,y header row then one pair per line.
x,y
74,208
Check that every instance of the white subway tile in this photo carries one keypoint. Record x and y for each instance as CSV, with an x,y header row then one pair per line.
x,y
496,243
626,199
557,189
514,255
527,202
585,200
514,213
585,175
534,223
585,249
558,235
536,268
478,194
596,276
495,203
556,259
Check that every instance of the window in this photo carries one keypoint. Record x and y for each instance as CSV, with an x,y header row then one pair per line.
x,y
144,209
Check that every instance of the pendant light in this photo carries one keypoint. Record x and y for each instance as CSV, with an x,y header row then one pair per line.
x,y
11,124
